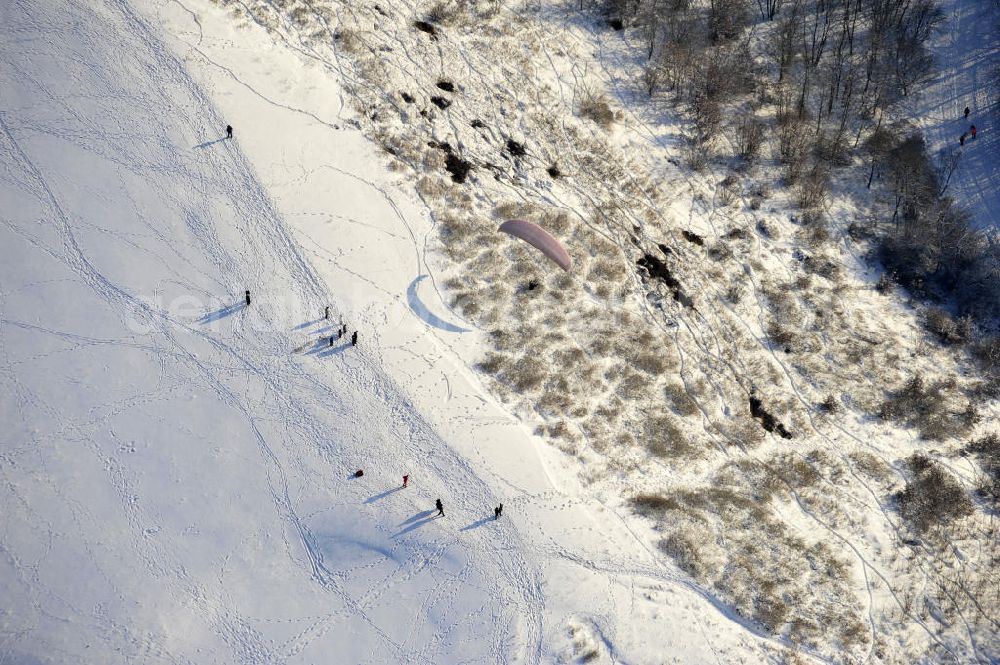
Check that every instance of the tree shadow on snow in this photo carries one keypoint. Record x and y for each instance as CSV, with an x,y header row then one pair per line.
x,y
221,313
418,308
208,143
477,524
379,497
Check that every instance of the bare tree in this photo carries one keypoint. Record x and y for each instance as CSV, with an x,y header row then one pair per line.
x,y
768,8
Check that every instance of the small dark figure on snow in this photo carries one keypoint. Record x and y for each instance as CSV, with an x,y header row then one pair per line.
x,y
354,338
961,139
497,512
248,298
440,507
343,329
326,313
973,130
331,340
359,473
406,480
340,333
966,112
229,131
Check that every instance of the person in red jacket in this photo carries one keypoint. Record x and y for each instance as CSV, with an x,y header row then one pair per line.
x,y
973,130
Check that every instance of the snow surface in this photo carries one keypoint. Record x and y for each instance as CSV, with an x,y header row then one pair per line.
x,y
176,467
967,60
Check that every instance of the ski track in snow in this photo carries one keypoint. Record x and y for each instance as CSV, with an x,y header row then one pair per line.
x,y
311,413
251,373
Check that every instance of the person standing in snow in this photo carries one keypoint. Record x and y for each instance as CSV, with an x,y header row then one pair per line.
x,y
326,313
248,298
973,130
440,507
966,112
354,338
961,139
406,480
497,512
229,131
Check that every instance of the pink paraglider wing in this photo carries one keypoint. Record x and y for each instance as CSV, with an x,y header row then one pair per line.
x,y
539,238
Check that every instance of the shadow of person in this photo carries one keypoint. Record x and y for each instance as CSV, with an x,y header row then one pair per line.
x,y
415,522
418,516
378,497
334,350
308,323
220,313
476,524
208,143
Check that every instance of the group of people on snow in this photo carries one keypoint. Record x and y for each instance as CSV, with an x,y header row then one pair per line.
x,y
438,504
972,130
342,330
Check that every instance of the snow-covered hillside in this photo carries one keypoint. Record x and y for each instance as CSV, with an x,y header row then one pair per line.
x,y
177,467
967,58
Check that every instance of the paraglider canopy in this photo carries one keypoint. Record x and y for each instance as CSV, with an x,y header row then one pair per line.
x,y
540,239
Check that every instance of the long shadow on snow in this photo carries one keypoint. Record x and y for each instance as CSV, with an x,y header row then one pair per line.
x,y
379,497
415,522
418,516
308,323
333,350
477,524
418,308
208,143
221,313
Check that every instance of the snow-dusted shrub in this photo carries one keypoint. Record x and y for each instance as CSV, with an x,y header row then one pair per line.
x,y
782,336
931,408
679,399
432,185
873,466
350,41
607,276
665,439
654,505
735,292
727,19
932,496
444,12
596,106
726,537
987,352
725,196
987,449
829,405
946,328
749,136
744,432
681,547
527,373
813,187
